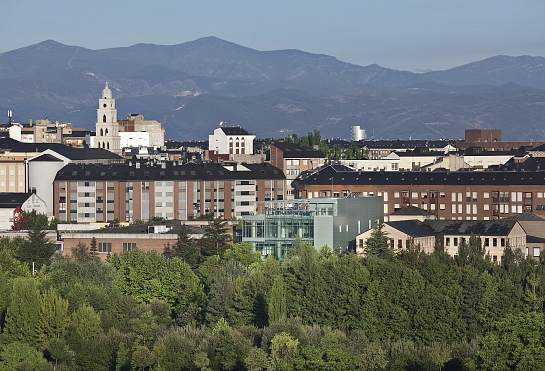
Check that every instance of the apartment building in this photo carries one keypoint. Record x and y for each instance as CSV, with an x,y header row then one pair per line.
x,y
483,195
293,159
231,140
127,192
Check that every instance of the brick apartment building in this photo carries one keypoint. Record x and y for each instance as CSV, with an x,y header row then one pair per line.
x,y
293,159
448,195
127,192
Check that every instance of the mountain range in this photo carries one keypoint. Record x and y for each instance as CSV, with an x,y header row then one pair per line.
x,y
193,86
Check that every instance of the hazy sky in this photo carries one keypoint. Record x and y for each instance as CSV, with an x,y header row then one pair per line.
x,y
412,35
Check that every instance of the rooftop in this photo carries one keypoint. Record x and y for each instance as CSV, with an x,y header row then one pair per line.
x,y
293,150
151,171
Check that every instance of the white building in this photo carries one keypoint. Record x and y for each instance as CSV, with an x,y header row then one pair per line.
x,y
358,134
107,128
231,140
135,139
151,129
9,201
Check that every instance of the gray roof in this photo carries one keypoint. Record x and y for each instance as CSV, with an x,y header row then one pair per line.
x,y
417,228
147,172
234,130
351,177
12,200
500,227
64,150
410,210
175,226
413,228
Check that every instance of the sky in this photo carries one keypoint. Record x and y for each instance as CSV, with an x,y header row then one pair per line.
x,y
412,35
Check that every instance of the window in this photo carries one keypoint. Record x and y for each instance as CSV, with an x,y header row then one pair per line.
x,y
536,251
399,244
127,246
104,247
502,242
486,195
487,242
447,241
455,241
494,242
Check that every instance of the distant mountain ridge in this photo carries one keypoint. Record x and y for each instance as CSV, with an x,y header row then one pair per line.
x,y
195,85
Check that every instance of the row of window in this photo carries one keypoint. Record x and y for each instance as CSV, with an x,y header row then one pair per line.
x,y
11,172
107,246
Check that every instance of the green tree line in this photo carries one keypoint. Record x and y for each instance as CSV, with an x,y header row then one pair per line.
x,y
335,152
213,305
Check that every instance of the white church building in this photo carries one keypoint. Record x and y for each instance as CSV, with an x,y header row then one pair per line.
x,y
114,135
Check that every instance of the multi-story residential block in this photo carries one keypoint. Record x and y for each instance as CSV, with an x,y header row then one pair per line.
x,y
482,195
102,193
231,140
293,159
495,235
42,168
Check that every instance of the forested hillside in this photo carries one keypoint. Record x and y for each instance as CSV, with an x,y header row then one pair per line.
x,y
215,306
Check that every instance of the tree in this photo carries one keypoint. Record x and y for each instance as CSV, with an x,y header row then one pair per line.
x,y
515,343
138,277
216,237
80,252
142,357
93,249
284,349
35,220
378,244
256,360
186,248
17,356
276,300
226,347
54,319
23,313
37,249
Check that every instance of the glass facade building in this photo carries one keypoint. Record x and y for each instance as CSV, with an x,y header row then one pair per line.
x,y
334,222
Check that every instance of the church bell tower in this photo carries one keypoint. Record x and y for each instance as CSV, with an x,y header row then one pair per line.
x,y
107,128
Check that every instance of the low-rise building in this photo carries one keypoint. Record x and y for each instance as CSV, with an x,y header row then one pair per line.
x,y
159,236
495,235
334,222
